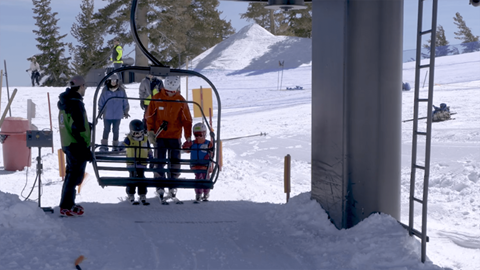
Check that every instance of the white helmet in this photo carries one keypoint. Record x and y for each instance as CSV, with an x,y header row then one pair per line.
x,y
199,127
172,83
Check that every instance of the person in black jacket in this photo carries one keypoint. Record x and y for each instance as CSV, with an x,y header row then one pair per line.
x,y
75,134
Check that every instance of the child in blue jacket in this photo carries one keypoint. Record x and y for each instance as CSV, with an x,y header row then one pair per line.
x,y
200,156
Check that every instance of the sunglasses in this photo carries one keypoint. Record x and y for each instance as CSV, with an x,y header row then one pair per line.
x,y
198,134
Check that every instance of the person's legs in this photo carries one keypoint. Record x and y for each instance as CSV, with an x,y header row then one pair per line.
x,y
106,128
115,130
32,77
142,189
160,153
73,177
120,75
37,77
174,146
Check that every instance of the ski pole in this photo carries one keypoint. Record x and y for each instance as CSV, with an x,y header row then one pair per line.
x,y
241,137
162,127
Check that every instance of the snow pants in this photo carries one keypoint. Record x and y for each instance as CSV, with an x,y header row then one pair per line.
x,y
170,147
76,164
140,173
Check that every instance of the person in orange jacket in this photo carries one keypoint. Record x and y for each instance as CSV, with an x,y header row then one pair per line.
x,y
165,121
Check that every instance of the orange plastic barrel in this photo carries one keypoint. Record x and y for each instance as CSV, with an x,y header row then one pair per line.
x,y
16,154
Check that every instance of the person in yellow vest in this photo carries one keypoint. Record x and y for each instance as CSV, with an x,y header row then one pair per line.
x,y
116,58
138,149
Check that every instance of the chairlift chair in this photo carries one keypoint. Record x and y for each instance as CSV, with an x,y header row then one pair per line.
x,y
111,170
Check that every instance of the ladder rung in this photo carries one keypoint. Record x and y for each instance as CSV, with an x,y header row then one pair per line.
x,y
424,66
426,32
421,133
419,167
417,200
422,99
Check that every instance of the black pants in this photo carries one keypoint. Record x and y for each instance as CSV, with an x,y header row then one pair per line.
x,y
142,189
170,147
114,126
120,74
76,164
35,77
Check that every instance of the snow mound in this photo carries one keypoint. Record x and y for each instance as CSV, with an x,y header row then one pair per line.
x,y
254,48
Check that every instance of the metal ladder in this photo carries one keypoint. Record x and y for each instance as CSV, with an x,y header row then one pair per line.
x,y
427,133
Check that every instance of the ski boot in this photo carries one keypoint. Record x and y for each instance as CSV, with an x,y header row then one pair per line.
x,y
172,194
160,193
143,199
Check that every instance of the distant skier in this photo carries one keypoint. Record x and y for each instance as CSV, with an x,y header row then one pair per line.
x,y
35,69
441,113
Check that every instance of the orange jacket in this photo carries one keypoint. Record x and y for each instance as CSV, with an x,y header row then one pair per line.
x,y
177,114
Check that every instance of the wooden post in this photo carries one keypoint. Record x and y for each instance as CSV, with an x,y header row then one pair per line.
x,y
1,84
10,100
201,98
210,116
220,155
287,176
61,163
50,114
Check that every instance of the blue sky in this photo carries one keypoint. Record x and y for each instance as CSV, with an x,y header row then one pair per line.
x,y
17,41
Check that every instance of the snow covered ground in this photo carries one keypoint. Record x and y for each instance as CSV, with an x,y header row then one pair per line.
x,y
247,224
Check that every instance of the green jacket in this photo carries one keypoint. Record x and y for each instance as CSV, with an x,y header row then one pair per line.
x,y
72,119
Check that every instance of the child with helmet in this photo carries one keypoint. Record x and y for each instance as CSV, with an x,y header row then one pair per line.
x,y
137,148
200,155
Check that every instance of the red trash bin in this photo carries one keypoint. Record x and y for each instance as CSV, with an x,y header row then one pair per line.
x,y
16,154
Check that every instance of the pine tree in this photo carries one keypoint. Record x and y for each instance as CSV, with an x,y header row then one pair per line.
x,y
290,23
88,53
441,43
169,29
470,42
51,59
260,15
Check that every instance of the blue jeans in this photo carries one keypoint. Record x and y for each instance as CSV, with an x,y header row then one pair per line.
x,y
114,124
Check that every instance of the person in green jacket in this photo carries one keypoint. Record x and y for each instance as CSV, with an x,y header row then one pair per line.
x,y
75,135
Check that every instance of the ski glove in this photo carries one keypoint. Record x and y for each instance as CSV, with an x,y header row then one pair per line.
x,y
187,144
126,115
151,137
